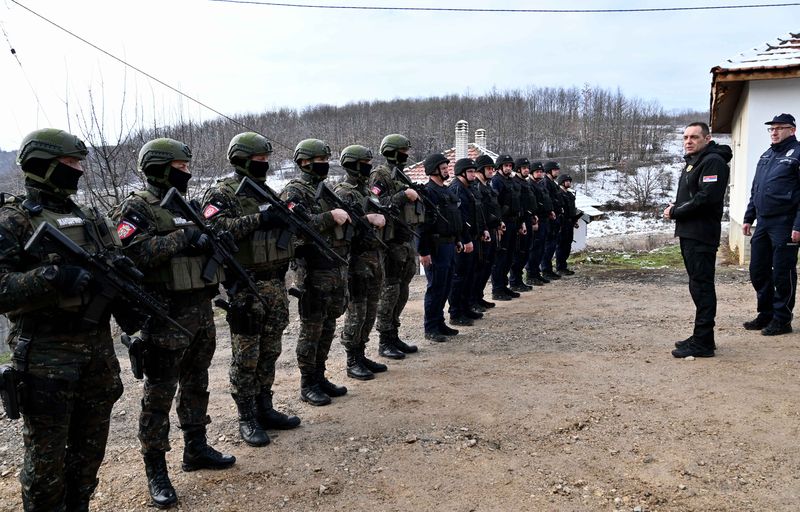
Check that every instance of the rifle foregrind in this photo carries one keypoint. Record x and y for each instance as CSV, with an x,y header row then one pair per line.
x,y
420,190
116,279
222,247
296,219
354,210
392,212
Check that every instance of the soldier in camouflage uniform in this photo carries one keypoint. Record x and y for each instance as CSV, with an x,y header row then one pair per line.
x,y
324,282
365,272
401,256
70,372
256,330
172,253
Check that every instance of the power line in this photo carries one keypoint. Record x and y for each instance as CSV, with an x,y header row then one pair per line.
x,y
490,10
148,75
39,106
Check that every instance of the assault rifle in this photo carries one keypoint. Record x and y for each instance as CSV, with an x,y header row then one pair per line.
x,y
392,212
222,245
117,278
295,218
400,176
354,210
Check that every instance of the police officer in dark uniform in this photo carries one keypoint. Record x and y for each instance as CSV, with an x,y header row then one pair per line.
x,y
697,212
508,195
544,213
172,253
256,330
439,239
522,169
494,224
551,170
68,366
775,207
471,208
324,282
568,224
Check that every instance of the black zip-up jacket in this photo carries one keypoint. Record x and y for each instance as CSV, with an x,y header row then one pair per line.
x,y
527,197
491,206
448,225
776,185
553,190
542,198
701,193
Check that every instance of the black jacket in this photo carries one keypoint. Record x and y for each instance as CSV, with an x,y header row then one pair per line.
x,y
448,226
776,185
701,192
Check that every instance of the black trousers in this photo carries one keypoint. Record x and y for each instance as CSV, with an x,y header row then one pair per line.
x,y
699,258
773,267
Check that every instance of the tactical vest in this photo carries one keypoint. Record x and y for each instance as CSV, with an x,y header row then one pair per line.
x,y
181,273
338,237
449,222
84,227
353,192
258,251
411,213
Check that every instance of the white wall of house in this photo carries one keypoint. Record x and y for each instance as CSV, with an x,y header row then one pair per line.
x,y
760,101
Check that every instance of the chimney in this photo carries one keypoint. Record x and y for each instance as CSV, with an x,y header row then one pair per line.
x,y
462,136
480,137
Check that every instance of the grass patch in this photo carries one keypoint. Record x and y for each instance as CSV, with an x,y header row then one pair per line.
x,y
661,258
5,358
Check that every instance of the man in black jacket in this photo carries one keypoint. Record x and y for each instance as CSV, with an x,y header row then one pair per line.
x,y
775,204
697,212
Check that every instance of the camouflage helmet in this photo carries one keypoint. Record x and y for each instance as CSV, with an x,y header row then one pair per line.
x,y
162,152
308,149
49,143
247,144
394,142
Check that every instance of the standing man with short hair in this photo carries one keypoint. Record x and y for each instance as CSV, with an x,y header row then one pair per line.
x,y
697,212
545,213
568,225
495,225
774,202
552,170
508,195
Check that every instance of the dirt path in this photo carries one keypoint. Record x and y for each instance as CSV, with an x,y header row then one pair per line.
x,y
531,409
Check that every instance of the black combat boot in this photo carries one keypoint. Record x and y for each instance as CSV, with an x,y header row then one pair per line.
x,y
356,369
198,455
328,387
401,345
77,497
486,303
310,392
161,491
252,433
386,346
461,320
268,417
374,366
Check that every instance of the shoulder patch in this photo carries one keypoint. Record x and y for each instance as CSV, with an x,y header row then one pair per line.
x,y
376,189
126,230
710,179
210,210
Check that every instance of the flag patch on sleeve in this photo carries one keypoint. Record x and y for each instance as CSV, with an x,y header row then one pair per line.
x,y
210,210
125,230
376,190
710,179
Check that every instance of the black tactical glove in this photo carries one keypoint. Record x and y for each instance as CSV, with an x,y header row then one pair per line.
x,y
68,279
196,239
268,221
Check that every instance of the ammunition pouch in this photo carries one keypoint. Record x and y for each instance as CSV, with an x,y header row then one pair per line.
x,y
414,213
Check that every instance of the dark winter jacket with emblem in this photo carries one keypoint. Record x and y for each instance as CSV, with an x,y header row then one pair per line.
x,y
701,193
776,185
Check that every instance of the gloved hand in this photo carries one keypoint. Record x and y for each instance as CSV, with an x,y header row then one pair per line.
x,y
196,239
267,221
68,279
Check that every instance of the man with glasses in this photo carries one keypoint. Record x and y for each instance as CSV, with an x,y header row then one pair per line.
x,y
774,202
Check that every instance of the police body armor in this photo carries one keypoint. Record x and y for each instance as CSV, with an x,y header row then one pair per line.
x,y
480,218
85,227
260,250
449,223
182,272
493,212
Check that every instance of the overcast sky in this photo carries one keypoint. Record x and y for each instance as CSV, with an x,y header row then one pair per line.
x,y
249,58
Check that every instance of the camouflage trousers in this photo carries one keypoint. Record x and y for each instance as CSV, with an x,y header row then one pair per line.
x,y
69,389
400,266
364,281
256,336
174,359
322,303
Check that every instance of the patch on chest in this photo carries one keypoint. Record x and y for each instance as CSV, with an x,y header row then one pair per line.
x,y
66,222
181,222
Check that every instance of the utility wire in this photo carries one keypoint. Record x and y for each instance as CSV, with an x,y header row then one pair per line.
x,y
489,10
39,106
148,75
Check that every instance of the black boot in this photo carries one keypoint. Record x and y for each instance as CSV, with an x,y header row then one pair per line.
x,y
77,497
386,346
161,491
198,455
268,417
401,345
249,429
310,392
328,387
374,366
356,369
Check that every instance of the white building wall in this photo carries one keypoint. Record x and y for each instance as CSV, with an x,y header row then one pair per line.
x,y
761,100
